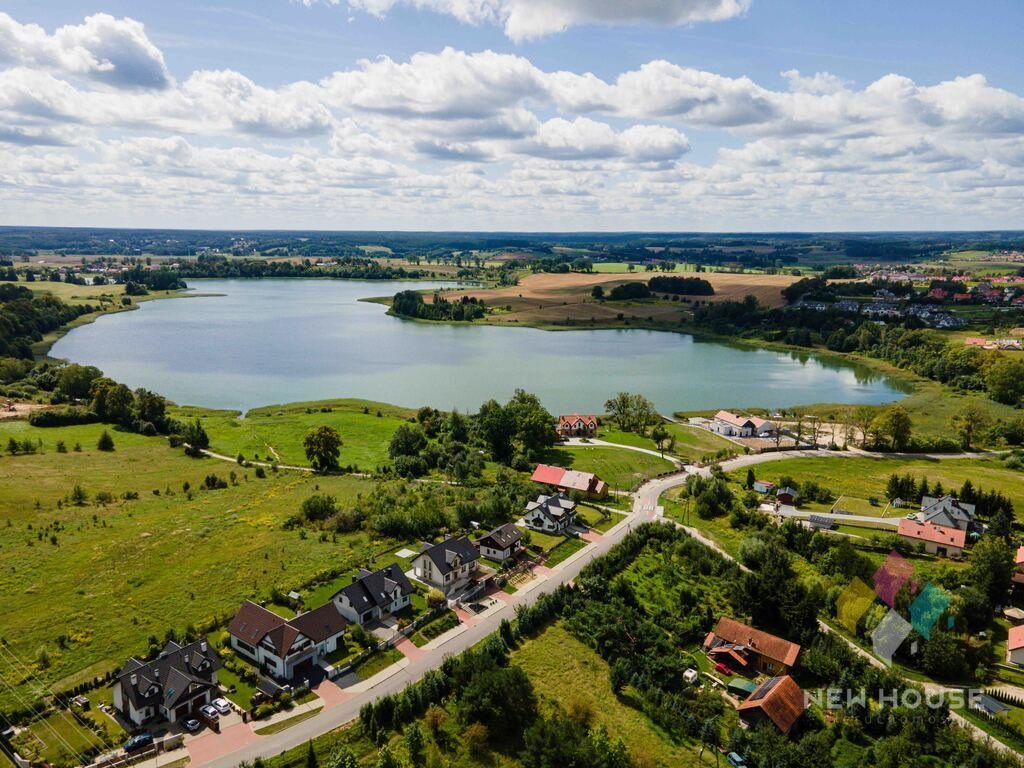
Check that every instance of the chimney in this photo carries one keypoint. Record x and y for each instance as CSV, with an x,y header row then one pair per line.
x,y
203,646
186,659
134,679
156,673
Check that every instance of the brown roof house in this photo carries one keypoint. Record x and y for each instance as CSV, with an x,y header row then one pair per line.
x,y
284,648
563,479
778,700
502,543
750,650
577,425
171,687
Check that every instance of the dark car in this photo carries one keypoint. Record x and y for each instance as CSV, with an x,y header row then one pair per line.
x,y
135,743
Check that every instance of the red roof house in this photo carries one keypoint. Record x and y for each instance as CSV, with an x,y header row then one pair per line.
x,y
778,699
1015,645
577,425
570,480
766,652
936,539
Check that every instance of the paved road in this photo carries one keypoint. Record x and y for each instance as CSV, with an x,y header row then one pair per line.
x,y
645,507
348,710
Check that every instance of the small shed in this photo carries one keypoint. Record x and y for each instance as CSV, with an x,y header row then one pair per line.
x,y
988,705
741,688
786,496
764,486
821,523
1015,615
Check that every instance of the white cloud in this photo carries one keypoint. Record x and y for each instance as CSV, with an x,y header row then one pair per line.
x,y
489,140
530,19
112,51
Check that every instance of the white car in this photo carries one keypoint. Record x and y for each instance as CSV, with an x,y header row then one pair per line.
x,y
222,706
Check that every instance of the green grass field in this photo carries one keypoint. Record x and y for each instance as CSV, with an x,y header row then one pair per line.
x,y
864,477
564,551
377,663
557,663
619,467
276,432
114,573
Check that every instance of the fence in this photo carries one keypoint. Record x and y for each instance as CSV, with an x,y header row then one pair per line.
x,y
407,630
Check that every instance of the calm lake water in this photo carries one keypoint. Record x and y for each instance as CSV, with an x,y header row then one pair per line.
x,y
278,341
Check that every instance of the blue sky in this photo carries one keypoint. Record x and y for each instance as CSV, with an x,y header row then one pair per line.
x,y
656,122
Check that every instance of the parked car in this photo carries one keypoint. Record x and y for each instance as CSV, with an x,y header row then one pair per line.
x,y
135,743
722,669
209,711
192,725
735,760
222,706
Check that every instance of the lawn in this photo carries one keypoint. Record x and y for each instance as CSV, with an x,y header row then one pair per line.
x,y
276,432
564,551
101,578
378,662
434,628
243,693
57,739
694,443
557,663
282,725
864,477
595,518
619,467
544,541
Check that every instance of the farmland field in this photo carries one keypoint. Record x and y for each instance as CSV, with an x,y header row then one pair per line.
x,y
91,582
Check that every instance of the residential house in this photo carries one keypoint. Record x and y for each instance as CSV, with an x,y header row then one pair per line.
x,y
778,700
935,539
749,649
847,305
1018,574
562,480
502,543
577,425
284,648
947,511
763,486
729,424
1015,646
551,514
448,566
786,496
171,687
373,595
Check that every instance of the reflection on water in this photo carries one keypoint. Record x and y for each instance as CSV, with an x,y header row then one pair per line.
x,y
275,341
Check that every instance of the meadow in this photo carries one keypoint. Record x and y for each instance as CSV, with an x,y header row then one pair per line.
x,y
621,468
275,432
89,583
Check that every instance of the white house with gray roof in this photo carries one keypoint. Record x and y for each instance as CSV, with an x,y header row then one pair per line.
x,y
449,566
550,514
372,595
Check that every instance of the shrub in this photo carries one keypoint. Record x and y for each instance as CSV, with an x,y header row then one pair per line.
x,y
106,442
62,417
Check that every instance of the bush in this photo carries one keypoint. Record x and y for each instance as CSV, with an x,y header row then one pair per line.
x,y
436,598
106,442
626,291
62,417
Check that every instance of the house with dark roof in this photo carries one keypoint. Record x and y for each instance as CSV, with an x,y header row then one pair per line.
x,y
169,688
946,512
372,595
283,648
502,543
750,650
449,566
550,514
778,700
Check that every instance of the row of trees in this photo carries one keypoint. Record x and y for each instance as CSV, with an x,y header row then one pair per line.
x,y
24,318
411,304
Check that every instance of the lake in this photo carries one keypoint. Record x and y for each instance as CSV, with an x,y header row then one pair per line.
x,y
275,341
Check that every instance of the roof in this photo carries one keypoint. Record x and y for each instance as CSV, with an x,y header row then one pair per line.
x,y
321,623
1015,640
731,418
936,534
502,537
177,674
988,704
587,482
780,699
253,623
763,643
1020,556
787,491
742,684
376,588
547,475
571,418
947,510
553,507
451,552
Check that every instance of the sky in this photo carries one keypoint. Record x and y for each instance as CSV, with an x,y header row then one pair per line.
x,y
513,115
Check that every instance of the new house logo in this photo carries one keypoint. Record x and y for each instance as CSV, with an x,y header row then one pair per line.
x,y
925,611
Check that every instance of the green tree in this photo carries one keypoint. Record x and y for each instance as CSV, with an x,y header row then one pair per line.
x,y
894,426
74,380
662,438
342,757
78,496
311,761
106,442
408,440
323,447
386,758
415,745
991,569
1004,380
195,436
969,420
597,292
